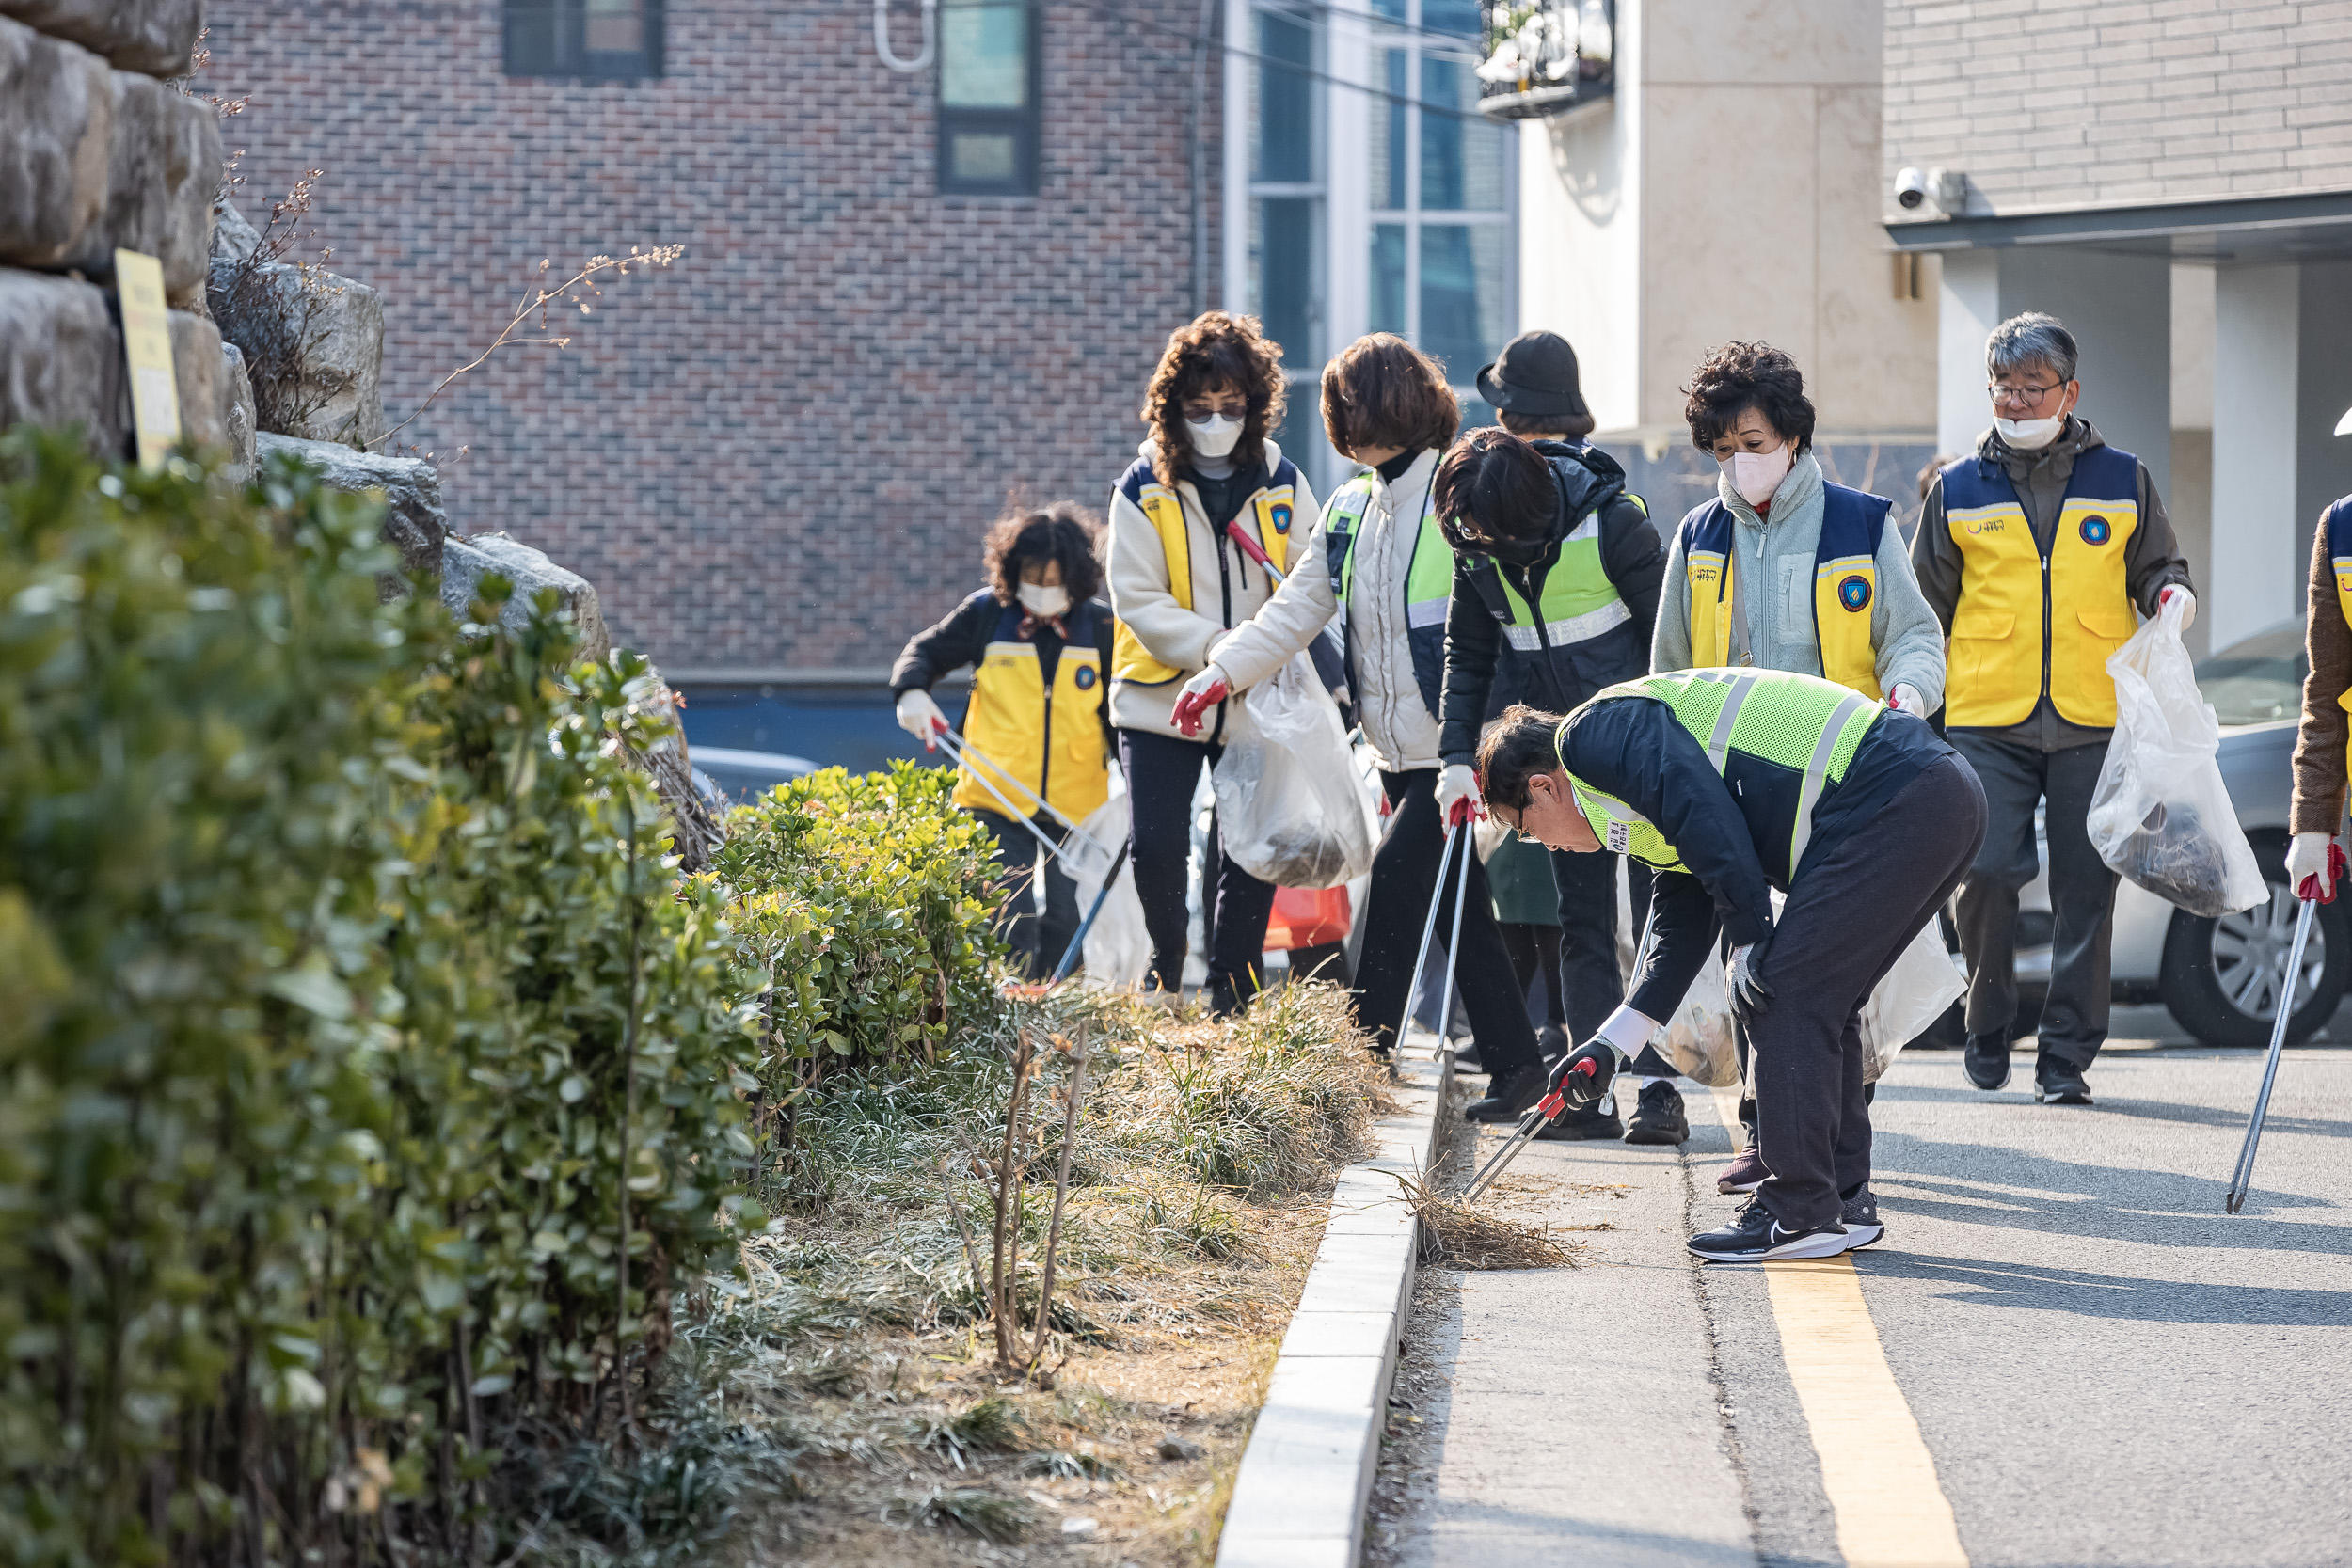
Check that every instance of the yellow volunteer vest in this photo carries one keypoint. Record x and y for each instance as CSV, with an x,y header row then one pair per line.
x,y
1267,514
2025,626
1039,744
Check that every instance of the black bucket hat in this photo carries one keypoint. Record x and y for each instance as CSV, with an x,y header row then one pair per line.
x,y
1535,375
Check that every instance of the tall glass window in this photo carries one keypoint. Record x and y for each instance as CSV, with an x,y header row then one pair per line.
x,y
1440,191
1289,214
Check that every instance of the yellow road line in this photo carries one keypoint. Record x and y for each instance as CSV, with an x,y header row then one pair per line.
x,y
1880,1478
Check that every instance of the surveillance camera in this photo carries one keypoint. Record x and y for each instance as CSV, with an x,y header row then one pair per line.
x,y
1911,188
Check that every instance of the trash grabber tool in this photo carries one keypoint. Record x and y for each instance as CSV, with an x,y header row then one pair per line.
x,y
2242,1177
1539,1115
1428,929
959,746
1254,551
1454,942
981,771
1078,942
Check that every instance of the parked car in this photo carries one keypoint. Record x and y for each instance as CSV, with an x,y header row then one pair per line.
x,y
2221,979
733,778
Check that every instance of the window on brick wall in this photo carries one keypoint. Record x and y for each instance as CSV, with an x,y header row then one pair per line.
x,y
988,98
613,41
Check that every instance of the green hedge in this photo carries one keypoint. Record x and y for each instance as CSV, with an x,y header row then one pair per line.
x,y
331,933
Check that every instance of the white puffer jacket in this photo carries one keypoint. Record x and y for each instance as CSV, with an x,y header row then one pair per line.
x,y
1168,621
1398,725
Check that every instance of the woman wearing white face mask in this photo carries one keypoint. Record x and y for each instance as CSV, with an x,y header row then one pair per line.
x,y
1208,495
1040,711
1786,570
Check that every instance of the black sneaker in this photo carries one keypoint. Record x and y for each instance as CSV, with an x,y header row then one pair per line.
x,y
1745,1173
1986,1059
1596,1121
1859,1214
1508,1097
1466,1059
1755,1237
1227,997
1658,1117
2059,1083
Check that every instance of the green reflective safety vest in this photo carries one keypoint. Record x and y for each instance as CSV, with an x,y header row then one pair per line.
x,y
1428,583
1801,723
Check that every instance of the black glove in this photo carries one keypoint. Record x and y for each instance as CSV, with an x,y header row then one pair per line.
x,y
1744,978
1580,1078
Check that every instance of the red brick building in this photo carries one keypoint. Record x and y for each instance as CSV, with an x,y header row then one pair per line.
x,y
776,456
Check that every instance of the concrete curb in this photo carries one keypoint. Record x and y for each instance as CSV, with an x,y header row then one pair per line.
x,y
1298,1499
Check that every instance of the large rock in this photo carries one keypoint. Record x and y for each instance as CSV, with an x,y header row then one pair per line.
x,y
313,343
414,520
236,410
197,369
162,176
61,358
56,122
464,560
155,37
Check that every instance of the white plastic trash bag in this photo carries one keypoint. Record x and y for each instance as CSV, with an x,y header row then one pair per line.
x,y
1287,800
1698,1037
2160,814
1118,948
1913,995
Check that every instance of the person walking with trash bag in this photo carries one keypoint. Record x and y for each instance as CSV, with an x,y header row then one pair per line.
x,y
1784,569
1208,505
2033,551
1729,784
1378,565
1038,728
1556,563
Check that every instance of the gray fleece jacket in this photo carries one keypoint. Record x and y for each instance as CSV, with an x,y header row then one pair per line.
x,y
1773,588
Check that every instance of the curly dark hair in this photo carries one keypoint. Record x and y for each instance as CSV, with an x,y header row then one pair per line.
x,y
1216,349
1738,377
1064,532
1382,392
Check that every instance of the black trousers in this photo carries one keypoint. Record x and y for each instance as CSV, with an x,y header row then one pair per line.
x,y
1039,943
1396,907
1588,944
1535,961
2082,894
1162,774
1846,921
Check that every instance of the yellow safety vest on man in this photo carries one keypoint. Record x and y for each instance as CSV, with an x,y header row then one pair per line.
x,y
2028,625
1039,743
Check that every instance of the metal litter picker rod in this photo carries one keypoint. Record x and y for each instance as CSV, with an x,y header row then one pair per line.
x,y
1077,943
1428,930
1454,942
2242,1177
980,758
980,767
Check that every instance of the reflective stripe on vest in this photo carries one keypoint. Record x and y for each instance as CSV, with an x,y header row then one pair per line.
x,y
2026,626
1052,748
1579,600
1801,723
2338,522
1429,581
1845,584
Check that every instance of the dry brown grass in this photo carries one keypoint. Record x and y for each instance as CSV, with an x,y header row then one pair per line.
x,y
1456,1235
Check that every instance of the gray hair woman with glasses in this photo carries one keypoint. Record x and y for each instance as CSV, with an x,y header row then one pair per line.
x,y
2034,552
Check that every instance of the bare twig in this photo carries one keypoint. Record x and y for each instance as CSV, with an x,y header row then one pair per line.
x,y
574,291
1073,1094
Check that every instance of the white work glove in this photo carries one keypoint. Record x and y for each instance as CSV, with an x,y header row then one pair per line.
x,y
2181,597
1905,697
1201,693
1458,801
1748,989
920,716
2309,862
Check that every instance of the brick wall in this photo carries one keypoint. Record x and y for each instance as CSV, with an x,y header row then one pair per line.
x,y
781,452
2054,105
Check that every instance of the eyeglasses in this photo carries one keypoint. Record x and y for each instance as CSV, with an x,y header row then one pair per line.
x,y
2022,397
1232,408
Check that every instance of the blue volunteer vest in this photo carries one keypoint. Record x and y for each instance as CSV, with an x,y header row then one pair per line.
x,y
1845,583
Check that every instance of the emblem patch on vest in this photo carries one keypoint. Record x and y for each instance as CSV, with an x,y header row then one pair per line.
x,y
1084,679
1280,514
1854,592
2095,529
1620,838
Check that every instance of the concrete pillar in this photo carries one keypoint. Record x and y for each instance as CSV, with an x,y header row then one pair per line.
x,y
2324,459
1969,307
2256,390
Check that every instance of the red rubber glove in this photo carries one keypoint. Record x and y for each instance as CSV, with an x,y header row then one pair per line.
x,y
2337,866
1201,693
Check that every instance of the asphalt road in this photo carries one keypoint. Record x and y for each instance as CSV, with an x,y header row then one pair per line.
x,y
2103,1367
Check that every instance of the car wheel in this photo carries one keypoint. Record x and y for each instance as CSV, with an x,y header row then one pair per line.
x,y
2221,978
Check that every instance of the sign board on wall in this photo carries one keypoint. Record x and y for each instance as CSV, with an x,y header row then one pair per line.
x,y
147,344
